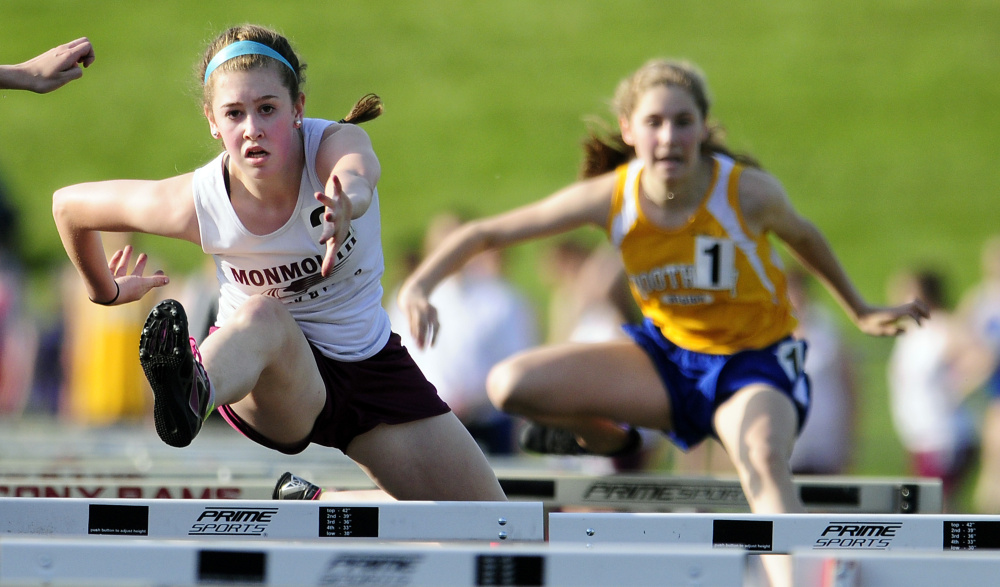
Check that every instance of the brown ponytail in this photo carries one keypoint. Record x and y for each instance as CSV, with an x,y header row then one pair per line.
x,y
367,108
603,150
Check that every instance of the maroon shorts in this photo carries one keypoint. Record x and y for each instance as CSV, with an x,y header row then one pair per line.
x,y
387,388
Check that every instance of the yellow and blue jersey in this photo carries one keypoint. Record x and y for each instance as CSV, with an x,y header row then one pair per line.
x,y
710,286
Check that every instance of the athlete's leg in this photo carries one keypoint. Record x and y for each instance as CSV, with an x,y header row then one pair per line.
x,y
430,459
261,364
586,388
757,427
987,492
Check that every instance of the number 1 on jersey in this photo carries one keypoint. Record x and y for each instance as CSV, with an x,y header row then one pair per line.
x,y
714,263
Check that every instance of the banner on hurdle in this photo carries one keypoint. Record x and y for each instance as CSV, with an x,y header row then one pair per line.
x,y
194,468
666,492
135,488
782,533
98,487
170,518
33,561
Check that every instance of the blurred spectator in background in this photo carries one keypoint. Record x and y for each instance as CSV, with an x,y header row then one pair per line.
x,y
589,300
484,319
589,297
49,370
104,380
826,442
18,335
979,313
198,293
925,388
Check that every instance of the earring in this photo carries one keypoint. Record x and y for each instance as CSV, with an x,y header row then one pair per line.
x,y
215,134
297,123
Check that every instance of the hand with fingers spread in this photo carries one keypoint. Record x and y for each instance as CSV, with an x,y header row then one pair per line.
x,y
891,321
336,223
131,287
420,313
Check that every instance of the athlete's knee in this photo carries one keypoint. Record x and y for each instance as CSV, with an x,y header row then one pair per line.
x,y
261,312
260,307
765,459
770,458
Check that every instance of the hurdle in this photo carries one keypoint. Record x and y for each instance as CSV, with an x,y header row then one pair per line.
x,y
285,520
900,569
632,493
32,561
649,492
129,457
43,449
243,470
126,487
234,472
783,533
193,484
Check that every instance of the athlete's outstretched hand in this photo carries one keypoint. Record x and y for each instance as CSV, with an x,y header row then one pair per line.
x,y
891,321
420,313
50,70
134,286
336,223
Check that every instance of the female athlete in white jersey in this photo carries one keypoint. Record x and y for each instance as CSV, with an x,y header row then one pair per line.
x,y
303,351
715,354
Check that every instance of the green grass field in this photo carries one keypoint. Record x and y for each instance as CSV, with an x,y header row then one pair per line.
x,y
879,117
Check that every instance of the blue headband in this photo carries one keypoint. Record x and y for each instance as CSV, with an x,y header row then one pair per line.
x,y
243,48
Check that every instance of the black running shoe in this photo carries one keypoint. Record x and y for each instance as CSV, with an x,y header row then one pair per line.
x,y
181,391
559,441
291,487
550,441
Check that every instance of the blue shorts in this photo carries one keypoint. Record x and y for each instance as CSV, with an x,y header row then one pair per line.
x,y
698,383
993,384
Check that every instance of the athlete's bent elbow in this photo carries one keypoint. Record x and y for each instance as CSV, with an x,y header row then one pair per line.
x,y
60,206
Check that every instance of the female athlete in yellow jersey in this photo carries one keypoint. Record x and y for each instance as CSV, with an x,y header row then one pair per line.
x,y
715,354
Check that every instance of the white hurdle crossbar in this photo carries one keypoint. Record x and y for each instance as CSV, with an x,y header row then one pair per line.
x,y
782,533
196,518
647,492
897,569
59,561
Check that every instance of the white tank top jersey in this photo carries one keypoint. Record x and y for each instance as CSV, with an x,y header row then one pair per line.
x,y
340,314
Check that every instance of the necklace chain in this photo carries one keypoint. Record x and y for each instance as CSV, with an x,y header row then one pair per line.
x,y
642,190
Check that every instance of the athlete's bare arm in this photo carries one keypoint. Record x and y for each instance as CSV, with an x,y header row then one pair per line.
x,y
83,211
582,203
348,162
767,208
